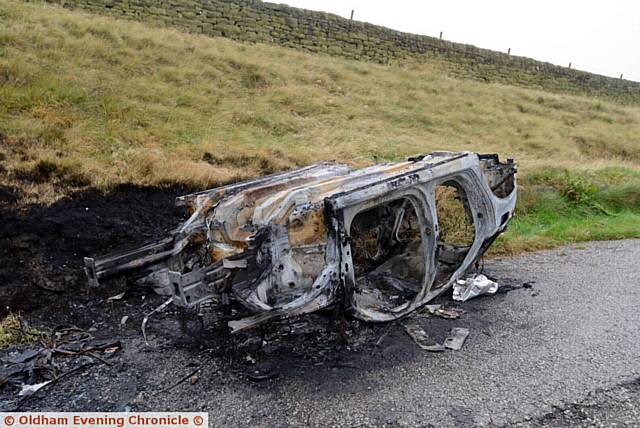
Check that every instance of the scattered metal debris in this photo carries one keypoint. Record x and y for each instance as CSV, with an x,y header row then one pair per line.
x,y
118,296
260,374
192,376
443,312
25,356
51,382
35,368
30,389
366,241
472,287
381,338
143,327
422,339
74,341
456,338
449,313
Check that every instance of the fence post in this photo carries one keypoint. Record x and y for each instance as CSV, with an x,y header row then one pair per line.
x,y
509,51
351,15
569,65
440,35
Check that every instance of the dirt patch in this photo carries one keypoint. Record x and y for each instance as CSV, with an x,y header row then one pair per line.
x,y
42,247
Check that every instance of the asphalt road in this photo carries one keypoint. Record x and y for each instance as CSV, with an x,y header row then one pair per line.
x,y
563,350
576,331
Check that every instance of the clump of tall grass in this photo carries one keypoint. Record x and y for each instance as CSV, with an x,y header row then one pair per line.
x,y
625,196
558,206
603,190
14,331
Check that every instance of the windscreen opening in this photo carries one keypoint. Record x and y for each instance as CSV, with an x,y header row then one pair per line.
x,y
456,230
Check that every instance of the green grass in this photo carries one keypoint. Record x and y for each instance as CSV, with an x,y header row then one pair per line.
x,y
551,229
95,101
13,331
558,207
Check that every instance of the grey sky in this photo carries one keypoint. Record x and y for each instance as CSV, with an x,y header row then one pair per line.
x,y
598,36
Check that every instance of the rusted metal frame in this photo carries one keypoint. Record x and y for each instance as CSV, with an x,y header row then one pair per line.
x,y
192,288
327,288
121,263
336,282
470,178
470,181
504,179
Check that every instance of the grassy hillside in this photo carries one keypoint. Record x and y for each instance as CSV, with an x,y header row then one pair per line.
x,y
93,101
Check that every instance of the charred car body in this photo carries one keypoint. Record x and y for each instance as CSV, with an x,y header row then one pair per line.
x,y
369,240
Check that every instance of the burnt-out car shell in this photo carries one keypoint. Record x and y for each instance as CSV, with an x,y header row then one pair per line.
x,y
368,240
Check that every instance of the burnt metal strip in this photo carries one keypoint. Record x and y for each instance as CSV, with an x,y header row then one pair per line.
x,y
396,177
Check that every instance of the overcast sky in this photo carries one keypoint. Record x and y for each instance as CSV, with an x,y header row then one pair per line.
x,y
598,36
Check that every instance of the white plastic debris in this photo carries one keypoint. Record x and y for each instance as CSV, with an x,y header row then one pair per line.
x,y
466,289
30,389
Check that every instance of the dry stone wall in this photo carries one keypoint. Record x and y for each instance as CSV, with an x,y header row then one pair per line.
x,y
257,21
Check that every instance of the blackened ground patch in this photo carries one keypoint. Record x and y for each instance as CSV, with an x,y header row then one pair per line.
x,y
42,247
